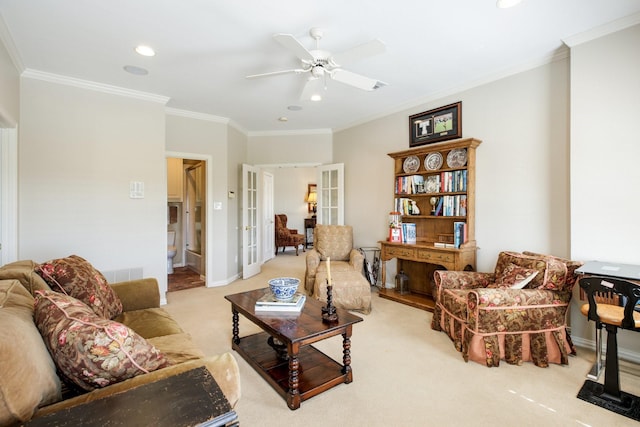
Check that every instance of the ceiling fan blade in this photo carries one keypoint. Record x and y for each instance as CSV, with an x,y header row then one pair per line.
x,y
356,80
365,50
313,86
291,43
276,73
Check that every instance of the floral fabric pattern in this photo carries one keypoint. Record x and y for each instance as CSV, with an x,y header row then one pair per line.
x,y
485,321
76,277
91,351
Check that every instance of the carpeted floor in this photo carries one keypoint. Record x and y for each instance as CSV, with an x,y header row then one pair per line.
x,y
183,278
404,373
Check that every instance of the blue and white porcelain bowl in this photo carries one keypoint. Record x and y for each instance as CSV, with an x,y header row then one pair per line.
x,y
284,288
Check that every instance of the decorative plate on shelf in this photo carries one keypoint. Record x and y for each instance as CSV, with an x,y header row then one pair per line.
x,y
411,164
457,158
433,161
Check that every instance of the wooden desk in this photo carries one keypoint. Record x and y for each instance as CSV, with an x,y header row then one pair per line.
x,y
302,371
419,261
191,398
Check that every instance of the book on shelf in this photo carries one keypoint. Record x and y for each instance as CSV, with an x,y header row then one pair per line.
x,y
444,245
459,233
408,232
268,303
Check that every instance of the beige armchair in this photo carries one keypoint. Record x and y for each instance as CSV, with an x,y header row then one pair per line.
x,y
351,290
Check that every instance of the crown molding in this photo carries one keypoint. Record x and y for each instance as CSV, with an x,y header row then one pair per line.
x,y
602,30
7,40
98,87
291,132
195,115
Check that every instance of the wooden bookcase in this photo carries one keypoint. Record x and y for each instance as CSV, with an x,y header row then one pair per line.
x,y
433,231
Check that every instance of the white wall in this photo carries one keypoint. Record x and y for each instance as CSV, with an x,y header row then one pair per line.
x,y
605,107
78,151
289,193
291,158
522,164
294,148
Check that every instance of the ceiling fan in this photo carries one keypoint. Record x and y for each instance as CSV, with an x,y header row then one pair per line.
x,y
321,64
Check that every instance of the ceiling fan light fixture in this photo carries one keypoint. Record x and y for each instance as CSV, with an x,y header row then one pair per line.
x,y
316,97
145,50
503,4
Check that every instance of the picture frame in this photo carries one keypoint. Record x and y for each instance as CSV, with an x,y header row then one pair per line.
x,y
436,125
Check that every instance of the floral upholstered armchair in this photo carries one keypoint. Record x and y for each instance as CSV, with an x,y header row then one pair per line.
x,y
517,313
335,242
287,236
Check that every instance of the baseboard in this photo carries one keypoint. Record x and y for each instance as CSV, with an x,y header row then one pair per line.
x,y
624,354
216,283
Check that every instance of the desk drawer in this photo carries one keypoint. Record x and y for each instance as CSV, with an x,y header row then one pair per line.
x,y
401,252
435,256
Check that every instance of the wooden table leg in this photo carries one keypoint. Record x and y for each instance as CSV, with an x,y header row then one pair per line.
x,y
236,329
293,397
346,355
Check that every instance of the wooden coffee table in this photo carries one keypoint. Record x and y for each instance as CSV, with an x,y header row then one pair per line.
x,y
282,354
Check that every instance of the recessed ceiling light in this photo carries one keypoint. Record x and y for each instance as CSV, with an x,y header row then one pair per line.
x,y
316,97
503,4
138,71
294,108
145,50
283,119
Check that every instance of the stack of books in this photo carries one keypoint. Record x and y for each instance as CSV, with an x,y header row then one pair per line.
x,y
269,303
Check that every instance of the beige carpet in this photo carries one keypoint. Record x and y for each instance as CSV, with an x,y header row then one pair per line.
x,y
405,374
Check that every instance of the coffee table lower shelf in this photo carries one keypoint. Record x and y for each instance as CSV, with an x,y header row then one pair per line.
x,y
317,372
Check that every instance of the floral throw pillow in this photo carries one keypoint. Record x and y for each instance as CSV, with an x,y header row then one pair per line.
x,y
76,277
515,277
89,350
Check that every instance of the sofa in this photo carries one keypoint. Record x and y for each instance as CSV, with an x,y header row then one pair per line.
x,y
517,313
141,344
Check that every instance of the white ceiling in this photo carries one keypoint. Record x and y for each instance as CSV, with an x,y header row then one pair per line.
x,y
205,48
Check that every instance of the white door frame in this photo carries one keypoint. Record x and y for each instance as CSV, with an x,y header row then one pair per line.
x,y
8,195
208,159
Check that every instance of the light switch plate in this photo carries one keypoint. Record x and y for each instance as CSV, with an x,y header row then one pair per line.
x,y
217,206
136,190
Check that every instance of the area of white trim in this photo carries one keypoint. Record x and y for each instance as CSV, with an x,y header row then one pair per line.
x,y
288,165
324,131
9,192
7,40
623,354
98,87
603,30
195,115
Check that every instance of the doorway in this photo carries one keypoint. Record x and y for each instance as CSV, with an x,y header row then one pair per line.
x,y
188,192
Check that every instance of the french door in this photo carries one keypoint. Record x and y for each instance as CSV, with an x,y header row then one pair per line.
x,y
250,222
331,194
